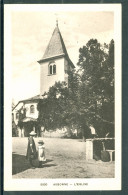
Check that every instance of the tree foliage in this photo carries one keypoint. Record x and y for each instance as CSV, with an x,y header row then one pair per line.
x,y
96,64
89,97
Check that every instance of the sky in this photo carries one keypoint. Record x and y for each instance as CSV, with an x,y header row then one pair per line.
x,y
31,32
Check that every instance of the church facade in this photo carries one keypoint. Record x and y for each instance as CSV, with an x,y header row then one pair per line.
x,y
54,67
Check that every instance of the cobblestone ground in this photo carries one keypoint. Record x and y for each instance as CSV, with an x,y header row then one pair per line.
x,y
66,158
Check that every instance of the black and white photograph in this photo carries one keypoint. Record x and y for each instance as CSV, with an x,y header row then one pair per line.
x,y
62,77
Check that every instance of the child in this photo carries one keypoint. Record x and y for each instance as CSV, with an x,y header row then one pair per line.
x,y
41,153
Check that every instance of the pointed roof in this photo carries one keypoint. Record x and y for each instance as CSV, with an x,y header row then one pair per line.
x,y
56,47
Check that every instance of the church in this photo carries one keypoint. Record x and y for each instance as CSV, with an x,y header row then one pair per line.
x,y
54,66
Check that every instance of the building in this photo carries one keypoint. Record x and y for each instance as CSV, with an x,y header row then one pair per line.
x,y
55,62
54,66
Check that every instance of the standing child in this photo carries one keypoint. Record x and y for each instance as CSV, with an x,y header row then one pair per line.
x,y
41,153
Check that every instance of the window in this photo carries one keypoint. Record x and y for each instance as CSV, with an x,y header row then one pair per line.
x,y
17,115
52,68
32,109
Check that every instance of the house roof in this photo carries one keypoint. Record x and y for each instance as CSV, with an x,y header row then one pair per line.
x,y
37,97
32,99
56,47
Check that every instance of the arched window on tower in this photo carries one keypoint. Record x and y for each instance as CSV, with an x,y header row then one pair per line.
x,y
32,109
52,68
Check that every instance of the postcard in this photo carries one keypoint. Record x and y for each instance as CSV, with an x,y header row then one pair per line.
x,y
62,97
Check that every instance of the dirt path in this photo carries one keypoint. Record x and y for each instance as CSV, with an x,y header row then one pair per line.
x,y
66,158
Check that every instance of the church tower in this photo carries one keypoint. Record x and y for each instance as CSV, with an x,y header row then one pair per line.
x,y
55,62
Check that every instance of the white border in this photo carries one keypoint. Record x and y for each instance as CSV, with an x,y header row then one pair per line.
x,y
34,184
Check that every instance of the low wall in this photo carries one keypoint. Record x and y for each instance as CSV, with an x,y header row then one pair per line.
x,y
95,146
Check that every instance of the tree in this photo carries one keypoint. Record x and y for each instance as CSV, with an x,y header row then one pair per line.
x,y
22,115
53,108
96,66
89,97
13,104
107,108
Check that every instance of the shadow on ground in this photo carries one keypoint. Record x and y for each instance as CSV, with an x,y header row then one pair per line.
x,y
20,163
47,161
49,165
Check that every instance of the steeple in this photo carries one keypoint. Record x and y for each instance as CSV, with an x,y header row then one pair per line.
x,y
55,63
56,47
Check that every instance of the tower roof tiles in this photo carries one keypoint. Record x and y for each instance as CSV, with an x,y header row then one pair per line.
x,y
56,47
